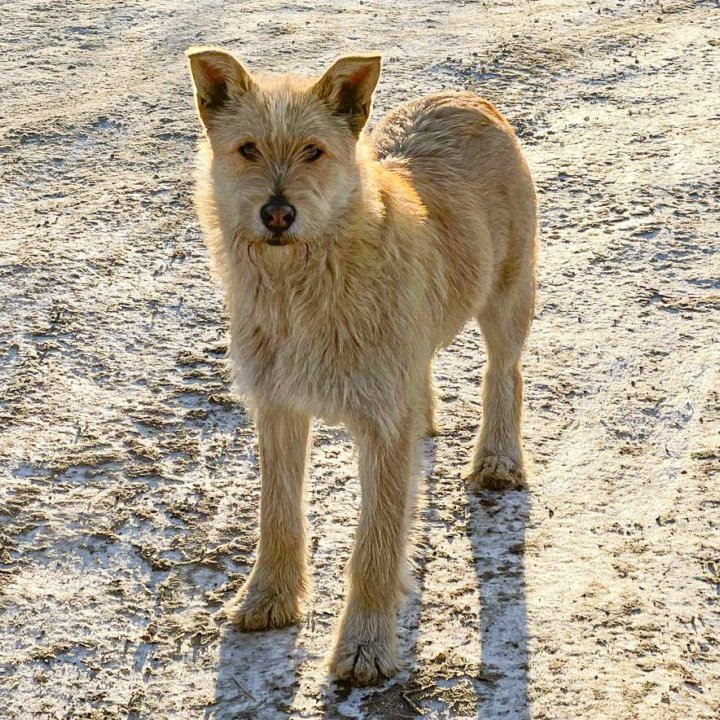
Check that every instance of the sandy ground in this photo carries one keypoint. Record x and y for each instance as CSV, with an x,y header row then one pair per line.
x,y
128,504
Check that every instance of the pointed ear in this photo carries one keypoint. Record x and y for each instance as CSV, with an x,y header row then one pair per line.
x,y
348,88
218,77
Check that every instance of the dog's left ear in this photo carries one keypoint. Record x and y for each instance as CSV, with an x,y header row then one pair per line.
x,y
348,87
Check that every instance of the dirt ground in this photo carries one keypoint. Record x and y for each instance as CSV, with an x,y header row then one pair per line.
x,y
129,495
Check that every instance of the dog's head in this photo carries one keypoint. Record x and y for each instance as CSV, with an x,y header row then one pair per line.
x,y
283,164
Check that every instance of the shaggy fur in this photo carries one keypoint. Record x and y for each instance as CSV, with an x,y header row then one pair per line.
x,y
400,238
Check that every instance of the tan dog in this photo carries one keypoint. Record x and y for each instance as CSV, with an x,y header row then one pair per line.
x,y
348,261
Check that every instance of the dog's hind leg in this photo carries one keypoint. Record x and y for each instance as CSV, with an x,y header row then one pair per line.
x,y
366,646
270,597
498,459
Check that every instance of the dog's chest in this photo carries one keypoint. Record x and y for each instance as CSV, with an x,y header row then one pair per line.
x,y
303,357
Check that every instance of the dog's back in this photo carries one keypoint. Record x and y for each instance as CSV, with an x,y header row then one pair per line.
x,y
436,126
463,159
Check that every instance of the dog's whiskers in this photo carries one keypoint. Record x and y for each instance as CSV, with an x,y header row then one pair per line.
x,y
306,248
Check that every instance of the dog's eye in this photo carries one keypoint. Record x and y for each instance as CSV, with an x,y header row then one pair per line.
x,y
312,153
249,151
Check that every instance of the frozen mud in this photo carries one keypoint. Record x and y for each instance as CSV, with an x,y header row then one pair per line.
x,y
128,470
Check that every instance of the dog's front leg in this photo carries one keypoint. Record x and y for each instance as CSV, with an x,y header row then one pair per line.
x,y
366,647
271,595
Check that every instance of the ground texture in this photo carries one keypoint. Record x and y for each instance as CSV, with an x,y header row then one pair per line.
x,y
129,495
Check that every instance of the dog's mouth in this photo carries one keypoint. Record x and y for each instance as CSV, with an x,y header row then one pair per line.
x,y
299,247
278,240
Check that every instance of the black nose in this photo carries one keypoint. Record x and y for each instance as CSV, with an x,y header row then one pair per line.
x,y
277,214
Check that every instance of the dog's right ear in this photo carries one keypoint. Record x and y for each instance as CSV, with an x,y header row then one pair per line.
x,y
218,77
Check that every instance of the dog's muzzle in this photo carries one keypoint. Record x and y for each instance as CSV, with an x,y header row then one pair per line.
x,y
277,216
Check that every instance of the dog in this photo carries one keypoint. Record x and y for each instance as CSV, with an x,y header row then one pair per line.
x,y
348,259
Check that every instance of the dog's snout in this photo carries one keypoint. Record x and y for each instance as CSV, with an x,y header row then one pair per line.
x,y
277,214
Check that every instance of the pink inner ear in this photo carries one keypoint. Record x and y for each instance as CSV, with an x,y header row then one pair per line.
x,y
212,74
358,76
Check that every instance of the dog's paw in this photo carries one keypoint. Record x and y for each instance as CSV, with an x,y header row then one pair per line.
x,y
366,652
498,472
363,663
254,608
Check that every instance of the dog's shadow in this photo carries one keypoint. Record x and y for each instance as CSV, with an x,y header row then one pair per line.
x,y
496,530
258,673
